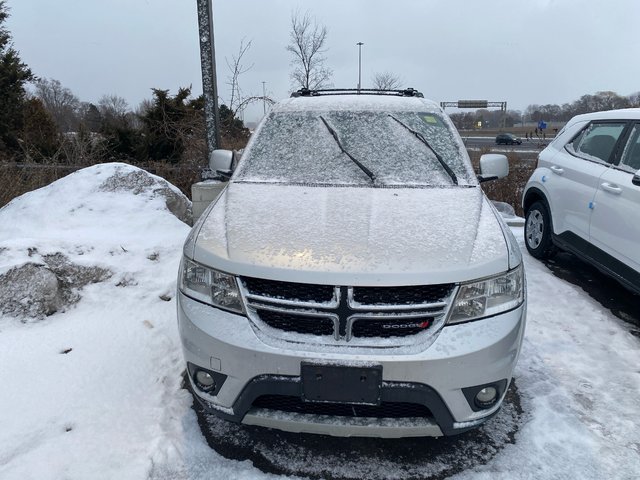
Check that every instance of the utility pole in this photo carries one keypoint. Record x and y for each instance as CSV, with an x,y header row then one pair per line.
x,y
264,98
209,81
359,44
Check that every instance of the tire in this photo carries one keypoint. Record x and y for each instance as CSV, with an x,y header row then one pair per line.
x,y
537,231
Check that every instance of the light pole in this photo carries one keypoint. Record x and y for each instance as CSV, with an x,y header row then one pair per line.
x,y
209,80
359,44
264,99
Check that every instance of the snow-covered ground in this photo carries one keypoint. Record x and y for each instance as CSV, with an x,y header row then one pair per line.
x,y
93,391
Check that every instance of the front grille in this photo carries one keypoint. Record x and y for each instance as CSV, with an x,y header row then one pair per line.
x,y
292,322
292,404
411,295
346,313
390,327
301,292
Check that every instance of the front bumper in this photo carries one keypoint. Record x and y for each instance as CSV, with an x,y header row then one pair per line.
x,y
466,355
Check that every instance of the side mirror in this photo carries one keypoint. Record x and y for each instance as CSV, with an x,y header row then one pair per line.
x,y
636,179
220,162
493,166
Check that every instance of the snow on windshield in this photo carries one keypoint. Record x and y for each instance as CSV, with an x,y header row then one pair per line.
x,y
299,147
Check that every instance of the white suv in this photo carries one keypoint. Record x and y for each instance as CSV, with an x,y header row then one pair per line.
x,y
352,279
584,197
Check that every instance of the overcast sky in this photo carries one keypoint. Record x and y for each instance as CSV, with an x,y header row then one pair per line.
x,y
522,52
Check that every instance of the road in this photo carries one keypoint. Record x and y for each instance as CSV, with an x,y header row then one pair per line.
x,y
479,143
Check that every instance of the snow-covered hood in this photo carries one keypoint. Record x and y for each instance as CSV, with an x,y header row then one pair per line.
x,y
352,236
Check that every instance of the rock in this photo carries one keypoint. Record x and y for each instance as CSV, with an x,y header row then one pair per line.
x,y
74,276
34,291
30,291
139,182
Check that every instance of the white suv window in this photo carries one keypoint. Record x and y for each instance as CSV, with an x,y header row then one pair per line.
x,y
596,142
631,155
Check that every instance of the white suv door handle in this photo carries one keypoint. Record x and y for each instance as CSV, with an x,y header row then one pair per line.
x,y
557,170
611,188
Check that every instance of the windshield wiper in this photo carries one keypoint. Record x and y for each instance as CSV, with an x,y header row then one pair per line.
x,y
420,137
355,160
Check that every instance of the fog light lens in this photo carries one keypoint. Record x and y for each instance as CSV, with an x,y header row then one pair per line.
x,y
204,380
486,397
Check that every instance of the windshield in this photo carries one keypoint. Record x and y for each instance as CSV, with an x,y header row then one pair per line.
x,y
356,148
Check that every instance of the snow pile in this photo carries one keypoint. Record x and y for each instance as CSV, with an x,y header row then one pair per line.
x,y
56,240
93,389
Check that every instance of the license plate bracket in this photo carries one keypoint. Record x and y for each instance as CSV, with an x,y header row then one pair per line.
x,y
341,384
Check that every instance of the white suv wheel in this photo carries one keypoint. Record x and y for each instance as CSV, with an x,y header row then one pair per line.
x,y
537,231
534,228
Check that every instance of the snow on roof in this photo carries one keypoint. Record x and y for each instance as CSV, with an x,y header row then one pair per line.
x,y
619,114
357,102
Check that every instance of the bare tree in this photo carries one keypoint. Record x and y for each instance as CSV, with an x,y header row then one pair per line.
x,y
237,68
60,102
238,101
144,106
82,148
246,101
387,81
113,105
115,112
308,48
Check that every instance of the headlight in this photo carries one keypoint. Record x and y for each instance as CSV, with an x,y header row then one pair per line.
x,y
210,286
488,297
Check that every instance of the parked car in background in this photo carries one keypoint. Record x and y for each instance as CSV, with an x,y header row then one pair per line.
x,y
353,279
508,139
584,196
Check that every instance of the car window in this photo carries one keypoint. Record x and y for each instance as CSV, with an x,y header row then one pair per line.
x,y
596,142
567,132
299,147
631,155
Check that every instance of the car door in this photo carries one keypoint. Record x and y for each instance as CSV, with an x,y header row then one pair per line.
x,y
615,222
574,175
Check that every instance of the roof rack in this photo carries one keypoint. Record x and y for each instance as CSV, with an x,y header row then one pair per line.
x,y
407,92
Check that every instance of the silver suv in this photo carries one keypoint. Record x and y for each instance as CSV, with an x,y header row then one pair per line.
x,y
584,197
352,279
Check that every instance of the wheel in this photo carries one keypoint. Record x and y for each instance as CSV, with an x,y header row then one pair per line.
x,y
537,231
